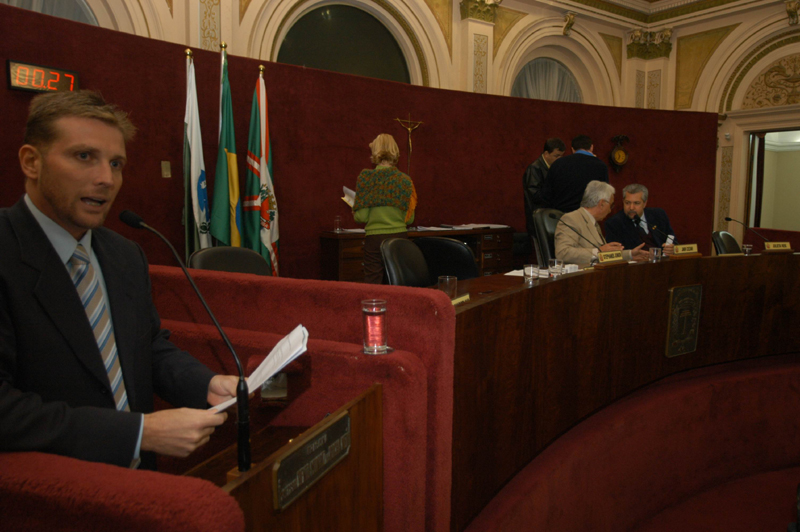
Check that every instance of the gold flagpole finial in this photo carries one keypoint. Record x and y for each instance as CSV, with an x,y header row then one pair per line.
x,y
188,52
261,68
223,45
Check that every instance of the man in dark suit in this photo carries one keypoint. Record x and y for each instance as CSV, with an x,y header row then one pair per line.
x,y
535,176
637,223
568,177
81,345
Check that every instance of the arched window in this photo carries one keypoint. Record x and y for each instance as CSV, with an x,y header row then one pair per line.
x,y
547,79
347,40
77,10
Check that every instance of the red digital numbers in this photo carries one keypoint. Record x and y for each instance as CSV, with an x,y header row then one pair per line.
x,y
34,77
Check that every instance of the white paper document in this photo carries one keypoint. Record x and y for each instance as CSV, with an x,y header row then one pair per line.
x,y
424,228
349,196
469,227
290,347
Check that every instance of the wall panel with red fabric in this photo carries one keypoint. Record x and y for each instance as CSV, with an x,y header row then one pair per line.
x,y
468,155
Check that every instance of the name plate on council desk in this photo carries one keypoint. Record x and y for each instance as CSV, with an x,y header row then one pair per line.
x,y
685,249
777,246
308,458
609,256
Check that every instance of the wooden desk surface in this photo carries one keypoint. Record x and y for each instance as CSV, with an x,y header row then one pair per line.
x,y
532,362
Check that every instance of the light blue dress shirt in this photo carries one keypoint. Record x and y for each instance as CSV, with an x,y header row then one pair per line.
x,y
65,244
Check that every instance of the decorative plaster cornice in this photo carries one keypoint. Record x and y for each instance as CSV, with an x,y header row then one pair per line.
x,y
478,10
750,60
650,44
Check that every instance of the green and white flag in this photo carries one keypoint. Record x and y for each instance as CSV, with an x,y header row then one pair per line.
x,y
196,211
260,205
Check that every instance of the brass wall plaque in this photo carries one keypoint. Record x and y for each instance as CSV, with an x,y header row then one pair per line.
x,y
309,458
684,319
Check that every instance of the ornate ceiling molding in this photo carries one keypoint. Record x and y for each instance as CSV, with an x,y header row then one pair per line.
x,y
750,60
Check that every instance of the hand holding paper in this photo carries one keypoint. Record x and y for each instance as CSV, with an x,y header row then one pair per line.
x,y
290,347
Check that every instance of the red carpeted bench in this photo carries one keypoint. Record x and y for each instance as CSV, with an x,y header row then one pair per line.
x,y
46,492
711,449
417,377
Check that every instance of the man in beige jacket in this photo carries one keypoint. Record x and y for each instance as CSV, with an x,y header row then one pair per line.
x,y
578,236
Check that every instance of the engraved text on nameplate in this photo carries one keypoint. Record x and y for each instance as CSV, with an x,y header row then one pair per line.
x,y
309,458
685,248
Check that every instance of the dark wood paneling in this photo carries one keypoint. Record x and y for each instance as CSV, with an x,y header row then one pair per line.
x,y
348,497
530,363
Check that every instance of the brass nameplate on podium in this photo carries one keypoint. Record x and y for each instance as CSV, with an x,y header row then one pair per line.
x,y
778,247
608,259
308,458
684,319
685,251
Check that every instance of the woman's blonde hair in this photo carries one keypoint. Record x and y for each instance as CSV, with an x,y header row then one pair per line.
x,y
384,148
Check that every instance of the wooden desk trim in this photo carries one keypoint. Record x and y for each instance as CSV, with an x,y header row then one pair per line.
x,y
526,370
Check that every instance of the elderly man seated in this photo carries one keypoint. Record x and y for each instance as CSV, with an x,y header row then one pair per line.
x,y
578,236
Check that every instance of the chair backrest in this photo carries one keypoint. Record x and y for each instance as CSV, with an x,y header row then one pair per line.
x,y
447,256
724,243
405,265
546,234
230,259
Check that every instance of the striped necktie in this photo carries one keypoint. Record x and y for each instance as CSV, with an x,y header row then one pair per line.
x,y
88,286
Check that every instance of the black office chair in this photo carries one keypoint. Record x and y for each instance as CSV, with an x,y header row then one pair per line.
x,y
230,259
447,256
724,243
404,263
546,234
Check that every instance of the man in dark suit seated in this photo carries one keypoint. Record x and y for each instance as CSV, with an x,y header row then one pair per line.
x,y
578,237
81,345
568,177
535,176
637,223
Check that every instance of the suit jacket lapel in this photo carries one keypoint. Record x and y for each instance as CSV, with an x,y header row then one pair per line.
x,y
121,300
55,292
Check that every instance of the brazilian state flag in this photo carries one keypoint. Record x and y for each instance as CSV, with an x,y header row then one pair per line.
x,y
226,211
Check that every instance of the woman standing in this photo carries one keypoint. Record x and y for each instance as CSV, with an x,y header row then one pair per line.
x,y
385,201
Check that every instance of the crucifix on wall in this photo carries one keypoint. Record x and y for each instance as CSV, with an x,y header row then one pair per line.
x,y
409,126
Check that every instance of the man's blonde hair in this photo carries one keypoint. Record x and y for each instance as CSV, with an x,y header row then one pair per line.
x,y
46,109
384,148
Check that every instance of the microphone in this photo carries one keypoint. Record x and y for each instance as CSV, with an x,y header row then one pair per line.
x,y
554,217
762,237
243,401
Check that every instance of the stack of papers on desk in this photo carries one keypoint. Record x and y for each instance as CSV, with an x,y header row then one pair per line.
x,y
469,227
290,347
423,228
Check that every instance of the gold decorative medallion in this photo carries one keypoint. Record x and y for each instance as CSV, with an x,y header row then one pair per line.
x,y
684,319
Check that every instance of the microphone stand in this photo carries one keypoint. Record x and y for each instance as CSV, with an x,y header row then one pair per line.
x,y
242,397
762,237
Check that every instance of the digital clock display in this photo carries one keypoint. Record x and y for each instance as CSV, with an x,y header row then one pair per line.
x,y
38,78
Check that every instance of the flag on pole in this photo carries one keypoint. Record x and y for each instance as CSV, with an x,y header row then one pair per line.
x,y
226,216
260,205
195,208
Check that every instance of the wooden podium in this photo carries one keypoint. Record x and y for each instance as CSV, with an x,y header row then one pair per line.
x,y
347,496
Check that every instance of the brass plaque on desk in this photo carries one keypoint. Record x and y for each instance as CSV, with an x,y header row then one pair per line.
x,y
308,458
684,319
777,246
